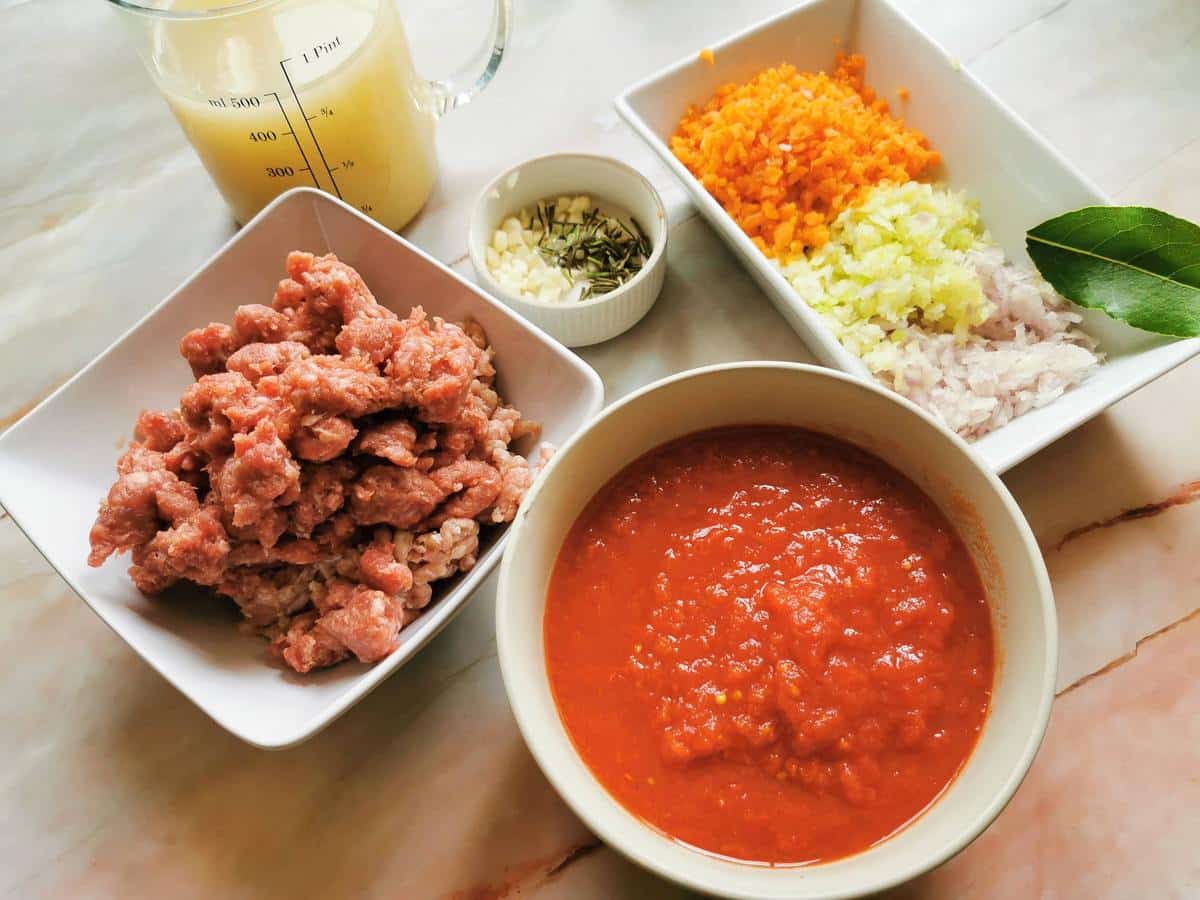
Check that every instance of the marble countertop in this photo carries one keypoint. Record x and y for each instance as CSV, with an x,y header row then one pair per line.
x,y
114,785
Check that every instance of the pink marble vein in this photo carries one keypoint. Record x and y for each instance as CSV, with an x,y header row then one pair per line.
x,y
1139,451
1110,806
1113,586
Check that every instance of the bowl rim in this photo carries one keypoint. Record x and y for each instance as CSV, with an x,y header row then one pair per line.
x,y
509,661
657,251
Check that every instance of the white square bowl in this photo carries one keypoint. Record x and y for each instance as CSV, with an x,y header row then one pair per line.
x,y
1019,179
57,463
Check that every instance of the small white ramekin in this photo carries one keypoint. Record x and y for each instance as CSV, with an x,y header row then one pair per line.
x,y
606,181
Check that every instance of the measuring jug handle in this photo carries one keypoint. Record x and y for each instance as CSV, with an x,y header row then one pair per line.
x,y
461,87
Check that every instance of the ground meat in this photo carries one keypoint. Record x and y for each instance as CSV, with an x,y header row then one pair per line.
x,y
317,330
501,429
367,625
389,495
453,444
322,493
472,329
504,427
435,365
195,548
203,407
207,348
439,554
137,507
187,463
475,414
159,430
255,361
305,648
469,428
353,619
336,534
267,596
323,438
255,323
321,295
396,441
380,568
181,460
516,478
265,531
470,485
374,338
337,386
295,551
261,475
330,284
140,458
330,463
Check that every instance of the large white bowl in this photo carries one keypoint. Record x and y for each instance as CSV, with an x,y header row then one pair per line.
x,y
971,496
1019,179
56,464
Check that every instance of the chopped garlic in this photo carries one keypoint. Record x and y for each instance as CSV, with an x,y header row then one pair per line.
x,y
514,261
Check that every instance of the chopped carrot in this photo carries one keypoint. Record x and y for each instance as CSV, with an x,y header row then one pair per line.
x,y
707,56
902,93
786,152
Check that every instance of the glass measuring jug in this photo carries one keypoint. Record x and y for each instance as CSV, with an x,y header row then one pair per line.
x,y
274,94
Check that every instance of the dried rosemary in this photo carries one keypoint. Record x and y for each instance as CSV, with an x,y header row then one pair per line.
x,y
599,251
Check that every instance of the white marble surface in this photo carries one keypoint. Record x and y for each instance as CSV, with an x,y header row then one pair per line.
x,y
113,785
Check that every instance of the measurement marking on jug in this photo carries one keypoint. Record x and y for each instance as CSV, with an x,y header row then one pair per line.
x,y
292,131
308,123
234,102
322,49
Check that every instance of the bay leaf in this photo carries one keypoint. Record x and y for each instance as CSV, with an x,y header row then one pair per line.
x,y
1137,264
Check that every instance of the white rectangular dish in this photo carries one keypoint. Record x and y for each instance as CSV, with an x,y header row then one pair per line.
x,y
987,150
57,463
